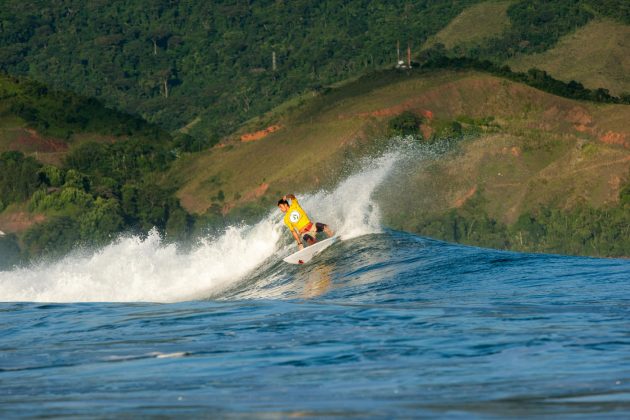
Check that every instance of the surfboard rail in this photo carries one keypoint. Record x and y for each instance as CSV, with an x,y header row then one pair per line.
x,y
303,256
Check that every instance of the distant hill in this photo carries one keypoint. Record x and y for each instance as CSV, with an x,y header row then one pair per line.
x,y
588,42
289,93
597,55
45,123
474,25
206,67
526,149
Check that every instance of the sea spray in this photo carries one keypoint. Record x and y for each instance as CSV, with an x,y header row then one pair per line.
x,y
136,269
145,269
350,208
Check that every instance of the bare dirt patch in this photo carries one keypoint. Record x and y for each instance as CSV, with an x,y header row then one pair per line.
x,y
467,196
261,134
20,221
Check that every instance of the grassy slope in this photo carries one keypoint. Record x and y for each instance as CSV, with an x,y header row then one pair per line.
x,y
473,25
543,149
597,55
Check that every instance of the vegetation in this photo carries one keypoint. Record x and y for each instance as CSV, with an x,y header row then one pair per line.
x,y
201,69
405,124
582,230
175,61
436,58
596,55
474,26
10,251
19,177
93,206
61,114
101,188
537,25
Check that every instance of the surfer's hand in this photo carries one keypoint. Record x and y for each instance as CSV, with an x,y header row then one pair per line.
x,y
300,246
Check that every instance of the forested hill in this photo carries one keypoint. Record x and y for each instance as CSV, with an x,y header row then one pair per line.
x,y
208,66
73,171
173,61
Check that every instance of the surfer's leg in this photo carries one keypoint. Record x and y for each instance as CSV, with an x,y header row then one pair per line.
x,y
310,235
323,227
309,239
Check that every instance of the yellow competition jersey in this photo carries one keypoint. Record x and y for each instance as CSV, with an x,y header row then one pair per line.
x,y
295,217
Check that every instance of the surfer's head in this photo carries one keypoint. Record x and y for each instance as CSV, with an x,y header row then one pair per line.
x,y
284,205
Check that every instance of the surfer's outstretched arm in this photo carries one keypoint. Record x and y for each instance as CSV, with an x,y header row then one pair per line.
x,y
297,239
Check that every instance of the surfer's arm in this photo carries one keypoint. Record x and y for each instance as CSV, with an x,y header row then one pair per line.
x,y
297,239
291,196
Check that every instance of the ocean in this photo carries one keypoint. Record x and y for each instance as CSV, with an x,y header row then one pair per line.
x,y
381,324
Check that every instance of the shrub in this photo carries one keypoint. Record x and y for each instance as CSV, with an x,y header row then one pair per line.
x,y
404,124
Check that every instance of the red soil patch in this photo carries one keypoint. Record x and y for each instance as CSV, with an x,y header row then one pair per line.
x,y
19,222
257,135
611,137
584,123
462,200
248,196
33,141
256,192
615,184
581,119
426,130
514,151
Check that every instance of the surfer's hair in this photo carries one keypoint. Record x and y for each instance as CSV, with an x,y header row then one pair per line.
x,y
282,201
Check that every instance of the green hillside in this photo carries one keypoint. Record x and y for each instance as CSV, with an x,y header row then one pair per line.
x,y
206,67
262,98
523,150
207,62
73,171
598,55
474,25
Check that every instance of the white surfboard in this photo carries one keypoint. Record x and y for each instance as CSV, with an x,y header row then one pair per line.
x,y
305,255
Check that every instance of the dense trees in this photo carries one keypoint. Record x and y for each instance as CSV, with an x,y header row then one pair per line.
x,y
61,114
174,61
405,124
19,177
582,230
86,200
92,210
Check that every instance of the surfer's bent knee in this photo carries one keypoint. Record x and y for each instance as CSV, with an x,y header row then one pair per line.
x,y
309,239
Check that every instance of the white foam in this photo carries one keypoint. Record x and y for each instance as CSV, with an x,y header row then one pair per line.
x,y
350,209
135,269
149,270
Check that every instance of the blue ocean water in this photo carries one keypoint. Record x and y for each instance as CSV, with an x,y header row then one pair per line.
x,y
386,324
381,324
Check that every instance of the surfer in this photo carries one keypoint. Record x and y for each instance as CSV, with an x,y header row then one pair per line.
x,y
298,222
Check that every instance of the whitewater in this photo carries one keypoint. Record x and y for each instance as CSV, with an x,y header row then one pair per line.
x,y
382,324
